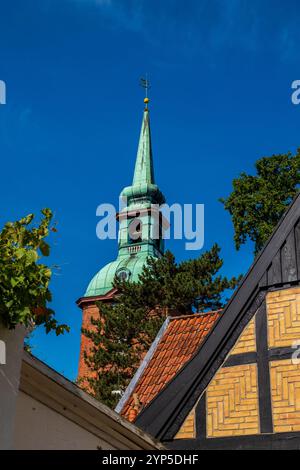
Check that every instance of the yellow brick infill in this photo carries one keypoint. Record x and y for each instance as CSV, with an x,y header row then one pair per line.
x,y
285,389
283,316
232,397
247,341
187,430
232,402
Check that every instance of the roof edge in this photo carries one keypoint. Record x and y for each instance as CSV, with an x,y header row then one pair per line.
x,y
52,389
97,298
196,314
132,384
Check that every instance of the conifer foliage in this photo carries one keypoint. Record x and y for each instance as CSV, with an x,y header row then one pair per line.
x,y
128,326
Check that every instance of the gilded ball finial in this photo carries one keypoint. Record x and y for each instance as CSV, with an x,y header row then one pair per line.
x,y
146,85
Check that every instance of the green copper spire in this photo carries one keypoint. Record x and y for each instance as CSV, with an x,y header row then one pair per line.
x,y
143,172
137,222
143,185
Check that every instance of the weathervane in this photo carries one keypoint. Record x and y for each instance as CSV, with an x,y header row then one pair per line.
x,y
144,82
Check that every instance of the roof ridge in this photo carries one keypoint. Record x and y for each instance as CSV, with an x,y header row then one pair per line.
x,y
196,314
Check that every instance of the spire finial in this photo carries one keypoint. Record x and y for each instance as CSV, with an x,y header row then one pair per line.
x,y
146,85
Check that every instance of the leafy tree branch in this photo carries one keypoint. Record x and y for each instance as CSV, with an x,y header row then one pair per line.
x,y
24,280
258,201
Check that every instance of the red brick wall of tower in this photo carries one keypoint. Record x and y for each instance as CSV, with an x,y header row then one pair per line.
x,y
89,310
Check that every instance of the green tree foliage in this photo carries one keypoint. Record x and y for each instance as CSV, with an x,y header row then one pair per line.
x,y
257,202
129,325
24,281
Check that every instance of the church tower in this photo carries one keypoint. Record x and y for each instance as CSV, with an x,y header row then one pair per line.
x,y
139,236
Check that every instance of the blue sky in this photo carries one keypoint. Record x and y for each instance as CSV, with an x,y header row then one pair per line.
x,y
221,75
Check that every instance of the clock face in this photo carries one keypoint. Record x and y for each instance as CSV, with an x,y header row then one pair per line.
x,y
123,274
135,231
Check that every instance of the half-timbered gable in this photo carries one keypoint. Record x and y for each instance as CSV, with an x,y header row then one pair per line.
x,y
241,388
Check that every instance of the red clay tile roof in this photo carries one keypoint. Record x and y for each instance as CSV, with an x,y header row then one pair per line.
x,y
179,342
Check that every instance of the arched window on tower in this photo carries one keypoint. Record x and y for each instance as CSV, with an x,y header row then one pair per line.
x,y
135,231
